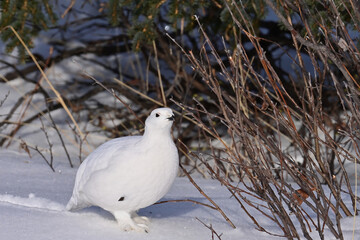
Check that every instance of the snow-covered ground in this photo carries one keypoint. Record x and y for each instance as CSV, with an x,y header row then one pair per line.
x,y
32,199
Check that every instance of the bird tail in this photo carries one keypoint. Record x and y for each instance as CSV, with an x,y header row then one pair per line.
x,y
72,204
76,203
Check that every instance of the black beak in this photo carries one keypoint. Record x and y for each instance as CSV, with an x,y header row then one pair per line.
x,y
172,118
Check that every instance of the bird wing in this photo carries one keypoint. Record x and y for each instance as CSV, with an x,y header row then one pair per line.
x,y
100,159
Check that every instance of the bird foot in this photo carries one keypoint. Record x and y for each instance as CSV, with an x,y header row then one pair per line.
x,y
126,223
140,219
133,227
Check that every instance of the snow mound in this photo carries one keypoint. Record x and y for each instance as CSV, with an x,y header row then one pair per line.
x,y
32,202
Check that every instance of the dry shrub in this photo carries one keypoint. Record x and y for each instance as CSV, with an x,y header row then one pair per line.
x,y
289,142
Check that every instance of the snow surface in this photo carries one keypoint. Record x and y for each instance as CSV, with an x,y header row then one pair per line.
x,y
33,198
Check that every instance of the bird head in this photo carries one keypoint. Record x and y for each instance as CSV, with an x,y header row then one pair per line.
x,y
160,118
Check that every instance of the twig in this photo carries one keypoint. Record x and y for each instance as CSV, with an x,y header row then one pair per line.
x,y
58,95
186,200
206,196
112,92
138,92
4,99
72,3
61,139
49,163
50,146
159,74
42,155
213,232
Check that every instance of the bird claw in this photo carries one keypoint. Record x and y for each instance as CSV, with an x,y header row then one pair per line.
x,y
132,222
134,227
141,219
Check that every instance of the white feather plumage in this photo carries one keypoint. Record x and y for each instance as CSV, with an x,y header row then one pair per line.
x,y
129,173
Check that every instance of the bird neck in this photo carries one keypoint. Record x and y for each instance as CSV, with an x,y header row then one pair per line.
x,y
162,134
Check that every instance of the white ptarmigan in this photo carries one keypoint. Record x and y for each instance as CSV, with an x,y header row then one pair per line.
x,y
129,173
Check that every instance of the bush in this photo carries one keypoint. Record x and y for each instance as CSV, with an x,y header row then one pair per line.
x,y
284,146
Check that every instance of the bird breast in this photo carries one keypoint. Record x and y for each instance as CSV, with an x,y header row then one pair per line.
x,y
139,178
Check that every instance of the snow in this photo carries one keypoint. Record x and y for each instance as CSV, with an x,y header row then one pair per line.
x,y
32,202
33,198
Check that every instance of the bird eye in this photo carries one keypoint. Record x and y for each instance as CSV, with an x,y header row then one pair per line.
x,y
157,115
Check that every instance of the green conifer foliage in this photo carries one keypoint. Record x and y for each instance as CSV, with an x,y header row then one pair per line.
x,y
145,15
27,17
